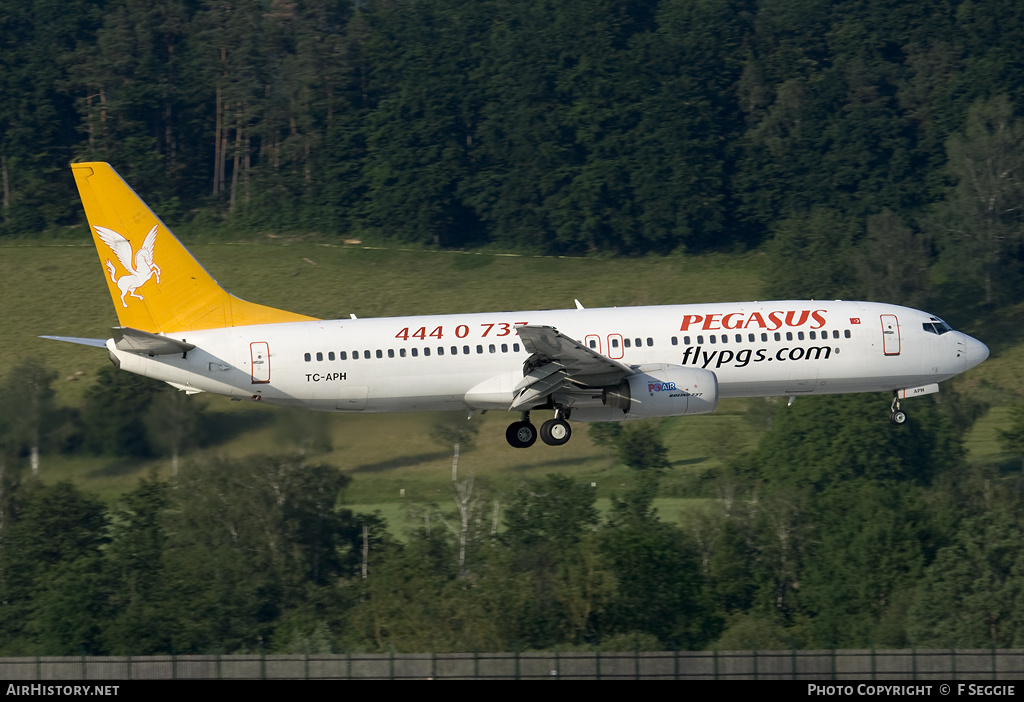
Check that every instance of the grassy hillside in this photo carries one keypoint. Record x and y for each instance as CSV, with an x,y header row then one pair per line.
x,y
59,289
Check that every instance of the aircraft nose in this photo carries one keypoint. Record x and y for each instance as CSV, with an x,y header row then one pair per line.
x,y
974,353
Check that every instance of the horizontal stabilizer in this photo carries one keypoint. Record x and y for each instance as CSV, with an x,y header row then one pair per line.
x,y
137,341
98,343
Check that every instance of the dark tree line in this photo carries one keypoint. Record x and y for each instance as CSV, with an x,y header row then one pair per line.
x,y
624,127
876,147
835,531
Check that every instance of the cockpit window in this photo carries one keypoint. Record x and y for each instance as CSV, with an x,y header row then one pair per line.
x,y
937,326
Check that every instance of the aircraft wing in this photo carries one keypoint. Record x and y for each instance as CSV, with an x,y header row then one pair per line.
x,y
556,361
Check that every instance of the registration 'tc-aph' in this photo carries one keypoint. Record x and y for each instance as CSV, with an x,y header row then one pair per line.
x,y
178,325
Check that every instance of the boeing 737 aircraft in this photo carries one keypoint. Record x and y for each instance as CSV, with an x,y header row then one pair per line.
x,y
178,325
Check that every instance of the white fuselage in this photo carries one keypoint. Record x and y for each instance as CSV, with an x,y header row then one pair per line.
x,y
474,361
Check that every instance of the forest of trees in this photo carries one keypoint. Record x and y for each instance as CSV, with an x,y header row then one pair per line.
x,y
869,147
835,531
628,126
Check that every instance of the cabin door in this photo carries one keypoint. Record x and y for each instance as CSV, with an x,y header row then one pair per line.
x,y
890,335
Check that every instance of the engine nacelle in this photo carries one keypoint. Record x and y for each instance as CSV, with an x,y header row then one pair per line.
x,y
664,391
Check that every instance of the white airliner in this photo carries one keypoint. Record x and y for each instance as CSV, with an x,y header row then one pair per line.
x,y
179,326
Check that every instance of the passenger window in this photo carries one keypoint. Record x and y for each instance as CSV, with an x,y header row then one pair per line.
x,y
778,336
835,333
308,357
479,348
800,336
415,352
391,353
504,348
712,338
380,354
739,338
751,337
638,344
330,355
401,352
515,347
764,337
343,356
355,355
846,333
700,339
615,343
465,350
455,350
650,341
675,341
686,340
789,336
440,350
426,351
319,356
491,348
627,343
593,344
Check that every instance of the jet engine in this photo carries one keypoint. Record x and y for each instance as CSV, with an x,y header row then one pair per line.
x,y
664,391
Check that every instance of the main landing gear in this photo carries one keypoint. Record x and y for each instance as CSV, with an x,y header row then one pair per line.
x,y
523,434
897,417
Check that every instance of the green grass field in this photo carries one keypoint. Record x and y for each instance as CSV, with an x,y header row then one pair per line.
x,y
59,289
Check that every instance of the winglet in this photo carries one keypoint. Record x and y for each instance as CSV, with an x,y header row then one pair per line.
x,y
155,283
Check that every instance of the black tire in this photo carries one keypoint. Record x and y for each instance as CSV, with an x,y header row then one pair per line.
x,y
521,435
555,432
898,418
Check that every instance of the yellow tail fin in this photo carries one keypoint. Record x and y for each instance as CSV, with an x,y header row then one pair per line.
x,y
156,284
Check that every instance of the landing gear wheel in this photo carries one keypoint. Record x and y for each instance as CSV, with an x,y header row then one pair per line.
x,y
555,432
521,435
898,417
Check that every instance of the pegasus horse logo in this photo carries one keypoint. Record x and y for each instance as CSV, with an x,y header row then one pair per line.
x,y
141,272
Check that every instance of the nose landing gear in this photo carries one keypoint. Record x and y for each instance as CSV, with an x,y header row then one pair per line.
x,y
897,417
